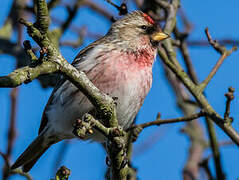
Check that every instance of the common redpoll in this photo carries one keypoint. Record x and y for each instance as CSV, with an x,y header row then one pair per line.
x,y
119,64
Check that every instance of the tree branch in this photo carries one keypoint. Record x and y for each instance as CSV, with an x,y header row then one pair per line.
x,y
158,121
42,16
52,61
115,145
215,149
224,54
170,60
13,172
27,74
230,96
210,128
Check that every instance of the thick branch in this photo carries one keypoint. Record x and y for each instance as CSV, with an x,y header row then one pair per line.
x,y
27,74
88,122
115,145
52,61
42,16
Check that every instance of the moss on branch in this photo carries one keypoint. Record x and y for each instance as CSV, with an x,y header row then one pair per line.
x,y
27,74
42,16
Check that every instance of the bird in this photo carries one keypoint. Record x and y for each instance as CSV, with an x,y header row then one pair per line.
x,y
119,64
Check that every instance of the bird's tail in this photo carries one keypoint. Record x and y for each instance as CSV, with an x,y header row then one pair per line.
x,y
30,156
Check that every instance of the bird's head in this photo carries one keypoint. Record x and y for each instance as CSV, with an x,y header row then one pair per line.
x,y
135,30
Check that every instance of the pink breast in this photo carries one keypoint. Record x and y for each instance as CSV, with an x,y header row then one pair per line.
x,y
119,69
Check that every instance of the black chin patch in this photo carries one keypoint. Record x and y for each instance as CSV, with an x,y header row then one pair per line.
x,y
154,43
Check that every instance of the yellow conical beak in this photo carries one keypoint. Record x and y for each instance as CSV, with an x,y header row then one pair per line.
x,y
159,36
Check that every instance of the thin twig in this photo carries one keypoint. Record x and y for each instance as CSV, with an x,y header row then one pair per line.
x,y
185,53
171,61
122,8
188,26
222,41
138,3
230,96
224,54
11,131
214,43
52,3
215,149
12,172
192,129
77,30
6,161
205,166
210,127
169,121
21,173
163,4
98,9
71,14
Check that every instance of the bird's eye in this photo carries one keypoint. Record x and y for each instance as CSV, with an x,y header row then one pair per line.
x,y
143,27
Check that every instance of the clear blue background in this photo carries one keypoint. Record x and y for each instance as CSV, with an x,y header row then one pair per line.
x,y
166,158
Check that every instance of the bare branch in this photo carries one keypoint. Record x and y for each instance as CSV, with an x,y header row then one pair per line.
x,y
98,9
122,8
163,4
11,131
52,61
224,54
170,60
52,3
215,149
214,43
88,122
13,172
138,3
210,128
6,161
230,96
42,16
205,166
21,173
115,136
71,14
185,53
223,42
158,121
27,74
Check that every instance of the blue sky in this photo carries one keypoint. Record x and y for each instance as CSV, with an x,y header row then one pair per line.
x,y
166,158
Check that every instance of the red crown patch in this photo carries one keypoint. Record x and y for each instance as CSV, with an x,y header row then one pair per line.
x,y
148,18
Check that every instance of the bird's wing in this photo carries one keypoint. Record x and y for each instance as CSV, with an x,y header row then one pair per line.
x,y
78,59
